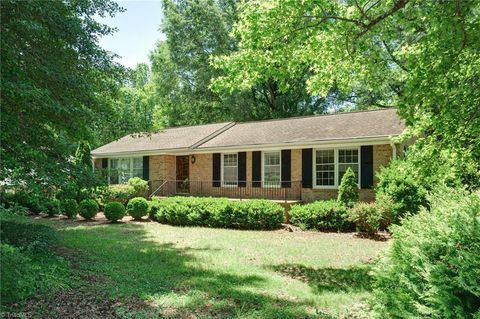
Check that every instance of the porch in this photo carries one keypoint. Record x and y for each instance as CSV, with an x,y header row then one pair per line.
x,y
282,192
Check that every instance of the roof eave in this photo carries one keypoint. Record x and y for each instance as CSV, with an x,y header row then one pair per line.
x,y
169,151
339,142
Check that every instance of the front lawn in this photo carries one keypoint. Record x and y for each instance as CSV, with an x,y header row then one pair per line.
x,y
146,270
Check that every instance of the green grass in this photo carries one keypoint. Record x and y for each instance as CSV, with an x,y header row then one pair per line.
x,y
180,272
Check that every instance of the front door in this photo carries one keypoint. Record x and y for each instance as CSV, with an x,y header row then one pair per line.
x,y
182,174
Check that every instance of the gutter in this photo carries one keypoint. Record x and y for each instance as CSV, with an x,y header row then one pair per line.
x,y
370,140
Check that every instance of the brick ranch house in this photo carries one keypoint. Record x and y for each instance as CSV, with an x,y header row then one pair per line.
x,y
302,158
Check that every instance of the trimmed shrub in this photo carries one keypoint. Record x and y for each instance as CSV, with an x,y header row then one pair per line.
x,y
328,215
139,185
367,217
88,208
137,207
114,211
398,193
348,191
431,269
69,208
218,212
53,207
119,193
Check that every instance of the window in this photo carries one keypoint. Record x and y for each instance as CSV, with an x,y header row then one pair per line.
x,y
122,169
137,167
331,164
325,168
230,169
346,159
271,169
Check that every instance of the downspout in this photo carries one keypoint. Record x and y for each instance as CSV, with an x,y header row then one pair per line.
x,y
394,148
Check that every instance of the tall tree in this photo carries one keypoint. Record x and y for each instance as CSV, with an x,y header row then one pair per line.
x,y
420,56
132,109
54,77
196,31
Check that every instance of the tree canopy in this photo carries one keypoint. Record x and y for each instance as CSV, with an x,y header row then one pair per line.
x,y
195,32
420,56
55,79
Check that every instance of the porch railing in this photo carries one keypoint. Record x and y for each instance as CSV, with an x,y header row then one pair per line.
x,y
284,191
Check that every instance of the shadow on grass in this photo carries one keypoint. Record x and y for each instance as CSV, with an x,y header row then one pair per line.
x,y
353,279
161,280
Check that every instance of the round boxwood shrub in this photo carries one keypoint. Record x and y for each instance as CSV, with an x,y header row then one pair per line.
x,y
88,208
52,207
137,207
69,208
114,211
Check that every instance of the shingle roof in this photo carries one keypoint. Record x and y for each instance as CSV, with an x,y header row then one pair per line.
x,y
383,122
338,126
171,138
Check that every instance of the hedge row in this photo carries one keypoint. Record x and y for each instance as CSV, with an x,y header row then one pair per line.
x,y
325,215
217,212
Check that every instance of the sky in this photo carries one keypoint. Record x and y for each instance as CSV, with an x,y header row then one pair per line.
x,y
138,31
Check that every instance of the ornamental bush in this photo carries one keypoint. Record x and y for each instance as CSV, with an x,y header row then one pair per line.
x,y
218,212
398,193
114,211
119,193
137,207
69,208
88,208
324,215
367,217
432,268
348,191
52,207
140,186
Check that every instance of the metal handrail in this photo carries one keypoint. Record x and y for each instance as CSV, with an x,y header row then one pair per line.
x,y
281,190
159,187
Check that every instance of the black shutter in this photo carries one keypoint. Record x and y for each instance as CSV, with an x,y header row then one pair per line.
x,y
257,169
104,163
366,166
146,168
286,168
104,171
307,154
242,169
217,172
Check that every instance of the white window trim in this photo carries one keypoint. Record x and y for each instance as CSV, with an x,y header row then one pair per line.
x,y
335,152
263,169
222,170
120,158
